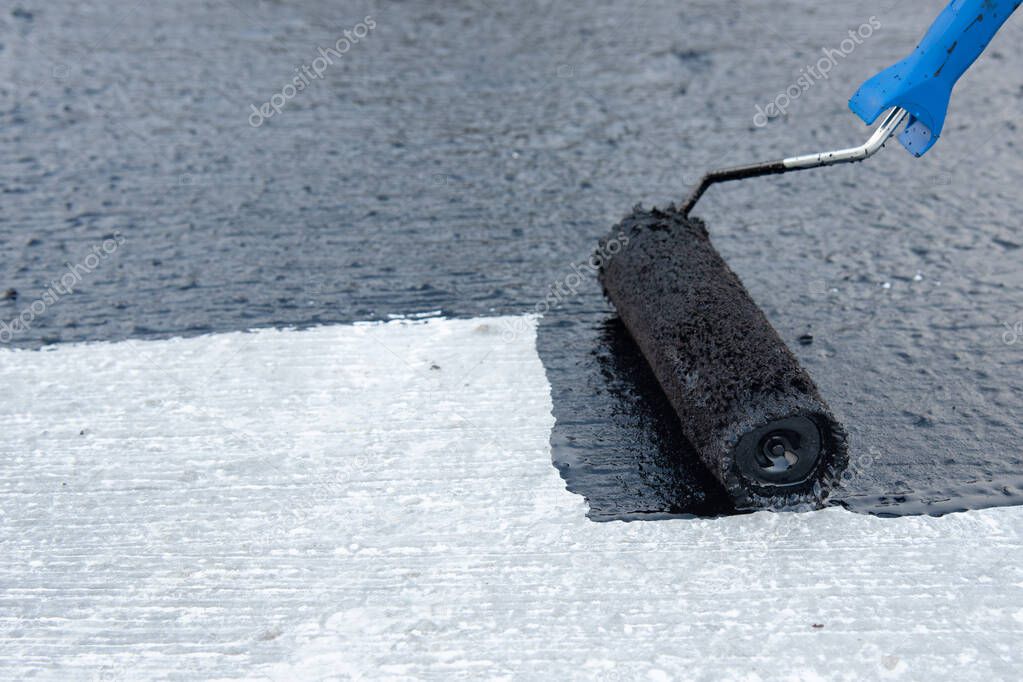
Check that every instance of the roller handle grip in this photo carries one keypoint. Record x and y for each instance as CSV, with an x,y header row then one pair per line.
x,y
922,83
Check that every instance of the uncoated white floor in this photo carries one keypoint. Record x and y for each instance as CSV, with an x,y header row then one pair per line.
x,y
378,501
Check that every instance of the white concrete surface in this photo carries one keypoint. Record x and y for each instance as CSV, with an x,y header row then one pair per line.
x,y
378,501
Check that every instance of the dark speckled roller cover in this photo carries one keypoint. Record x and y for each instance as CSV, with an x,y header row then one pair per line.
x,y
746,405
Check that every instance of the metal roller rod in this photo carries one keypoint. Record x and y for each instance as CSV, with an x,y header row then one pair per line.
x,y
888,127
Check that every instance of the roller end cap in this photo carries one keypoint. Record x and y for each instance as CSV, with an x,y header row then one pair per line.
x,y
782,453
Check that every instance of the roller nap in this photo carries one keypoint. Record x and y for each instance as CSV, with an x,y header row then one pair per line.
x,y
745,404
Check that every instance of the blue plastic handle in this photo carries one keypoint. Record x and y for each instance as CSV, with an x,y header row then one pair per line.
x,y
922,83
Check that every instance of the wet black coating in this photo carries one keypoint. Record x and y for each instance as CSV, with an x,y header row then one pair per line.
x,y
721,364
617,440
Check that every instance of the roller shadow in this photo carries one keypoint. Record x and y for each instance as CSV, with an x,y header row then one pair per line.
x,y
617,441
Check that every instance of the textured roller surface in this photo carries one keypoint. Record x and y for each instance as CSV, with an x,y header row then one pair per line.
x,y
752,413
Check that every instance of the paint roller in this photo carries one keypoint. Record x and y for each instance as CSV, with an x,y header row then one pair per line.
x,y
751,412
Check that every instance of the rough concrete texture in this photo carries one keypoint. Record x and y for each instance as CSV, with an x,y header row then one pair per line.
x,y
377,501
